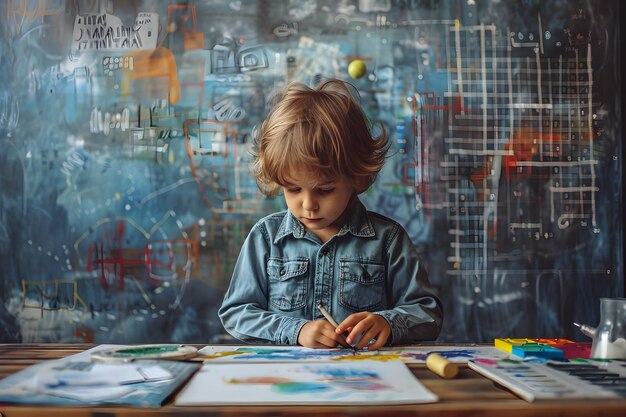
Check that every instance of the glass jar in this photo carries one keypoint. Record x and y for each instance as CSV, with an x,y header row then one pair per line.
x,y
609,341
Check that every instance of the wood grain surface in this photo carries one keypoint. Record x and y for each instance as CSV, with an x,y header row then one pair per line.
x,y
469,394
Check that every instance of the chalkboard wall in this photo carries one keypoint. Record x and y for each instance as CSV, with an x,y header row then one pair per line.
x,y
125,134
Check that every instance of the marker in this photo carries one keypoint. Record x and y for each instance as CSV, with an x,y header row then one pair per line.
x,y
441,366
332,321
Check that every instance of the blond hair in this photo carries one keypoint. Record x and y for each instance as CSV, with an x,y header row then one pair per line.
x,y
320,129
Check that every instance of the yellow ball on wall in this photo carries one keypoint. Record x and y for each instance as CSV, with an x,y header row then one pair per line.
x,y
357,68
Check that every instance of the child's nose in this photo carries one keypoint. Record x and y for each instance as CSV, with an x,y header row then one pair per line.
x,y
309,202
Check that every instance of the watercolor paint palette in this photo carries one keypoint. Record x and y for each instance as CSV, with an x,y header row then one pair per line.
x,y
544,348
553,380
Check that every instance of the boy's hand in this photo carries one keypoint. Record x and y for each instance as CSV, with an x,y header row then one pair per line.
x,y
319,334
367,325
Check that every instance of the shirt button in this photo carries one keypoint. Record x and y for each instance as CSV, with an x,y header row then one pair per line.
x,y
325,251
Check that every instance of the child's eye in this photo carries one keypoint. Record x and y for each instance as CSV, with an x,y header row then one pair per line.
x,y
293,190
325,190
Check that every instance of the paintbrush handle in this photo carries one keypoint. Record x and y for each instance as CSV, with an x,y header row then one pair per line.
x,y
327,315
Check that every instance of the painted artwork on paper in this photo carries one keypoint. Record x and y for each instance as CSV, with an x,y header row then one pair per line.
x,y
412,354
368,382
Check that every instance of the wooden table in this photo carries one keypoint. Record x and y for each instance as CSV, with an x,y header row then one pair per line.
x,y
469,394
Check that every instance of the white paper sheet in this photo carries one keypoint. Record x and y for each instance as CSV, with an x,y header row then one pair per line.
x,y
365,382
94,381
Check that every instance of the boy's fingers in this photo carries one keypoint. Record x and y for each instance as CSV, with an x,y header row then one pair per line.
x,y
366,338
334,339
327,342
351,320
357,330
343,342
381,338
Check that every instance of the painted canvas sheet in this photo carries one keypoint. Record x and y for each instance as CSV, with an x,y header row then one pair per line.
x,y
366,382
412,354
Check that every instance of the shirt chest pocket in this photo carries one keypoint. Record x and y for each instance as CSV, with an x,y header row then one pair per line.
x,y
362,285
287,283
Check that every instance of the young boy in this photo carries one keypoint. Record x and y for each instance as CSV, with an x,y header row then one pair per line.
x,y
316,147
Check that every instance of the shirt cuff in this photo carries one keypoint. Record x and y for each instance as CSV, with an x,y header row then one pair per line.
x,y
289,330
397,324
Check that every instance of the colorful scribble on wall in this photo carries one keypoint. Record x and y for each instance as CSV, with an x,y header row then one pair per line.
x,y
126,127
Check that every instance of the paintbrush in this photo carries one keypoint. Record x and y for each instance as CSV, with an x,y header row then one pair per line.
x,y
332,321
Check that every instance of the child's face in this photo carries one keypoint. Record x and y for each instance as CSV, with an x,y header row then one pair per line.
x,y
318,203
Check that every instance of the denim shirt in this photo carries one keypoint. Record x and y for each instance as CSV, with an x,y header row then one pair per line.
x,y
284,272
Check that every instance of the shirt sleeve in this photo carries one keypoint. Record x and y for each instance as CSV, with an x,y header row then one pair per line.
x,y
244,312
417,314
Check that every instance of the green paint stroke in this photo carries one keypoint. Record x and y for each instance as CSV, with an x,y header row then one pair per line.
x,y
146,350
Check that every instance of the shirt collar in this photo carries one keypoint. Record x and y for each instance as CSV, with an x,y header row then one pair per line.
x,y
290,226
357,223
